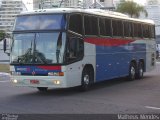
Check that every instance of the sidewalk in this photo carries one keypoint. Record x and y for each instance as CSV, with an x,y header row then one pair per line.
x,y
4,76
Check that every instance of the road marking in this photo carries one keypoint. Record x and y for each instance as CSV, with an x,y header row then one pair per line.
x,y
2,81
150,107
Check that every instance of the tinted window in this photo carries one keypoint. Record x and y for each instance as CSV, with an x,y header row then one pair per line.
x,y
114,27
146,31
135,30
40,22
108,27
102,26
75,23
132,29
91,25
117,28
140,33
127,29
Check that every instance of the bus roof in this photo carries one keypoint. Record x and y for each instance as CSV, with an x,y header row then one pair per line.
x,y
98,12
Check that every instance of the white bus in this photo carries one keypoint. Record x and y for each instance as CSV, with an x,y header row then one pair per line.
x,y
68,47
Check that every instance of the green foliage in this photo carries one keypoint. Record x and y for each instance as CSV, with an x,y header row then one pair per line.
x,y
2,35
131,8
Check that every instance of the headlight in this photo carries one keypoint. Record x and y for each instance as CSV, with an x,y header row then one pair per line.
x,y
15,81
56,82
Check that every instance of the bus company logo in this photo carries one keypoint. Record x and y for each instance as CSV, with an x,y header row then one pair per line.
x,y
33,73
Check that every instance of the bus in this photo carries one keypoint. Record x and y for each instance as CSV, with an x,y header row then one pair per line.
x,y
68,47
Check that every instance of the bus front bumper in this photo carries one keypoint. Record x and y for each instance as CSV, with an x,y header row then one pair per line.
x,y
39,81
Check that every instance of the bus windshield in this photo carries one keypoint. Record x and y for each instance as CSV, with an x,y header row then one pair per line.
x,y
38,48
40,22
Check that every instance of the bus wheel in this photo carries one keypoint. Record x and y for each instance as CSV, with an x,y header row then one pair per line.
x,y
86,79
42,89
132,72
140,71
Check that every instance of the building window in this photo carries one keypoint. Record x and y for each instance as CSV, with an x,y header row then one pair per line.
x,y
101,0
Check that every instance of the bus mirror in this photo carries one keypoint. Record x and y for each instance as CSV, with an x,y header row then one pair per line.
x,y
4,45
5,48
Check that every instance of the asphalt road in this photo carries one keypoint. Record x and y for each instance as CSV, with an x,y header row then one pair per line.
x,y
117,96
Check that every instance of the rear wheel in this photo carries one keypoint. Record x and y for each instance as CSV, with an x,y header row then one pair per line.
x,y
42,89
132,72
87,76
140,71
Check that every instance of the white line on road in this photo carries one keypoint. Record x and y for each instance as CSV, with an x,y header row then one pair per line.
x,y
4,81
150,107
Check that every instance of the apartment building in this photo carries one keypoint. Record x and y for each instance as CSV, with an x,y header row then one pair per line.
x,y
8,11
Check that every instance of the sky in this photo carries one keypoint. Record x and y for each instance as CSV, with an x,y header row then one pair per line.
x,y
142,2
29,3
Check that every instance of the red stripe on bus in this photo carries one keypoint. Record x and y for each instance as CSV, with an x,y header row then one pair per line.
x,y
107,41
50,67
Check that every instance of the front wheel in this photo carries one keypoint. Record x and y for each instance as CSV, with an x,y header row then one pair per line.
x,y
42,89
86,79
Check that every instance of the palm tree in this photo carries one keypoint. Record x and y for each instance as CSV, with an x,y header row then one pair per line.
x,y
131,8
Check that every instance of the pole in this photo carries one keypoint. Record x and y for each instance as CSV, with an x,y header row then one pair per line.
x,y
94,3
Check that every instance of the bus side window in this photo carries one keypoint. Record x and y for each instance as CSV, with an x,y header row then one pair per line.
x,y
75,23
75,49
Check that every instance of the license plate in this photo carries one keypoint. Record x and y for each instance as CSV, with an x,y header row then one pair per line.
x,y
34,81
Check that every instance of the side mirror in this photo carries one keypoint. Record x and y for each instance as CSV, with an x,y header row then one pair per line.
x,y
4,45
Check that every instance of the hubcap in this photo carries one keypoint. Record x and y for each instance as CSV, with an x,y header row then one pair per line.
x,y
133,72
141,72
86,79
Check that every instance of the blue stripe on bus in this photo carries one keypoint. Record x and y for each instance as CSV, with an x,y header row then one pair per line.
x,y
39,71
113,62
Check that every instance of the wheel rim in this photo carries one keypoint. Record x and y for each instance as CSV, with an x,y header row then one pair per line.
x,y
141,72
86,79
133,72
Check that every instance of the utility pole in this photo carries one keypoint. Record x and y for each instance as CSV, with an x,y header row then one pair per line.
x,y
95,4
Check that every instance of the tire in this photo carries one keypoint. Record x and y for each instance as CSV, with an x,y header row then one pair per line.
x,y
132,72
42,89
87,76
140,71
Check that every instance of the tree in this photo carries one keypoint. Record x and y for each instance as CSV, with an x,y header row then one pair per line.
x,y
2,35
131,8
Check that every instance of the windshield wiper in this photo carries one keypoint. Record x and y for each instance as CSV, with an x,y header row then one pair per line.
x,y
38,56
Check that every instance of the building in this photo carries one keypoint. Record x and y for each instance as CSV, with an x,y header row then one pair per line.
x,y
47,4
8,11
107,3
153,9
